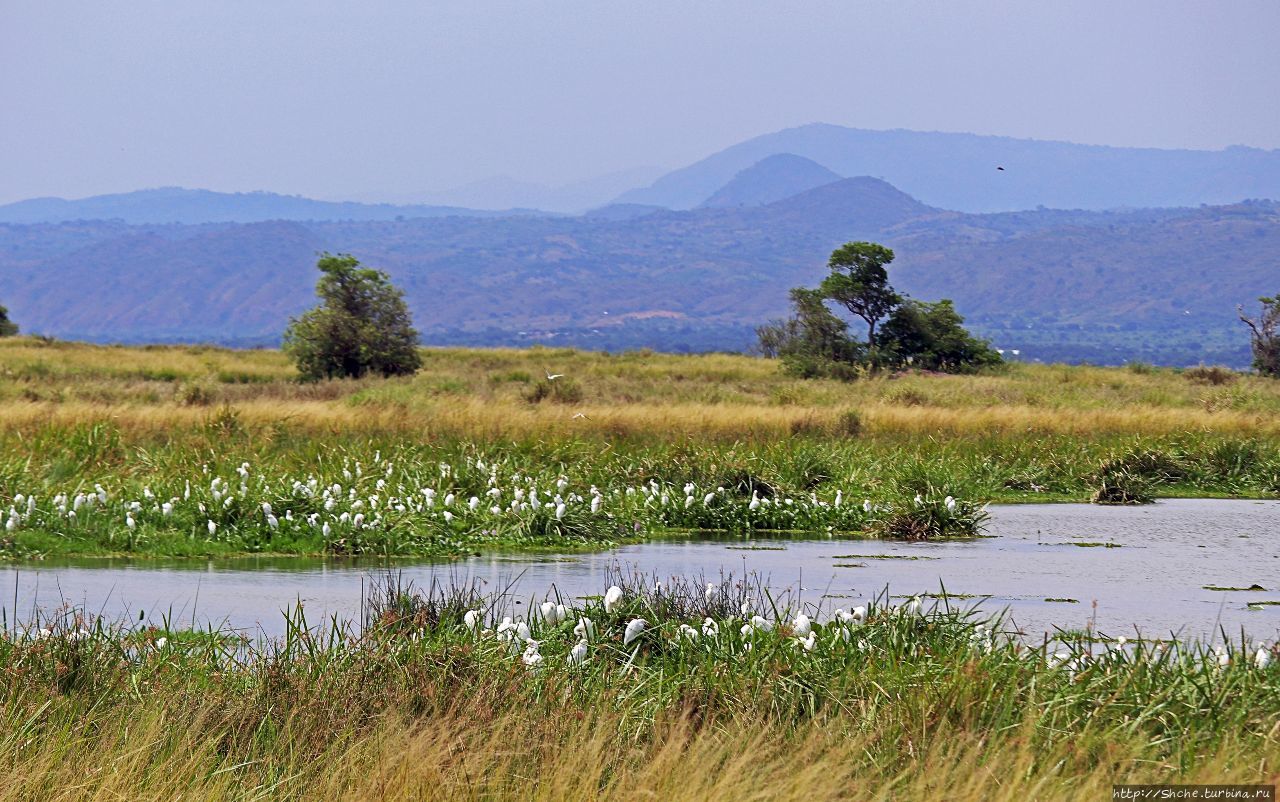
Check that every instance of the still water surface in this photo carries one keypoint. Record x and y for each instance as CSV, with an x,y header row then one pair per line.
x,y
1151,581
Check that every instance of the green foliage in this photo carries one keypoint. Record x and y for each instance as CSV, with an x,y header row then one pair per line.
x,y
7,327
860,283
1264,334
815,343
932,336
362,327
561,390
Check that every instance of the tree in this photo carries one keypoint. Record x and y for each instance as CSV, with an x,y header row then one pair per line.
x,y
932,336
363,325
1264,336
813,341
7,327
860,283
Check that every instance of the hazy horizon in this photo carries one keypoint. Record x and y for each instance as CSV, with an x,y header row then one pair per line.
x,y
392,101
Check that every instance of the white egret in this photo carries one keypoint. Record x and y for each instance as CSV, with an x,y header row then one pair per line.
x,y
472,620
531,657
802,626
710,628
710,592
634,628
688,633
578,653
1262,658
611,598
585,629
213,528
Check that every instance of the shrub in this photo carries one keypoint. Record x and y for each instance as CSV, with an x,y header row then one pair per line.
x,y
559,391
1210,375
363,326
849,424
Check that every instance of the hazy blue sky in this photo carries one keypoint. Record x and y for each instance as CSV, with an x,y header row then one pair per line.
x,y
388,97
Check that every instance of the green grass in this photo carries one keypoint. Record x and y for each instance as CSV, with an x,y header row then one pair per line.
x,y
93,708
141,421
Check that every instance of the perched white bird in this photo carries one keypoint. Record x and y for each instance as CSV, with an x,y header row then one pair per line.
x,y
129,522
807,643
859,614
1224,659
213,528
761,624
913,606
634,628
273,522
950,504
1262,658
522,631
578,653
612,597
803,626
710,592
559,511
585,629
688,633
552,613
531,657
507,629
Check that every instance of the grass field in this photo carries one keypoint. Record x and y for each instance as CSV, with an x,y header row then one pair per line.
x,y
188,450
201,451
726,693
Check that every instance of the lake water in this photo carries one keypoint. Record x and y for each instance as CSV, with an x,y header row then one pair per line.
x,y
1151,580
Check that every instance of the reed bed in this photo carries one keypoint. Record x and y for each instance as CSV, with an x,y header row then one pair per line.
x,y
435,695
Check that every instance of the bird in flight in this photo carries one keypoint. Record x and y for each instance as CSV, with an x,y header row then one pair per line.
x,y
1001,169
553,376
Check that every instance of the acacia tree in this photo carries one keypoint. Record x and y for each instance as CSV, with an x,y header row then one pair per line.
x,y
932,336
1264,335
7,327
362,325
860,283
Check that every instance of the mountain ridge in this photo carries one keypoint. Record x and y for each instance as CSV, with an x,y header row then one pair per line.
x,y
959,170
1111,285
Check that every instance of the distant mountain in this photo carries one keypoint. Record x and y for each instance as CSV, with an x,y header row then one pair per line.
x,y
771,179
1154,284
504,192
194,206
959,171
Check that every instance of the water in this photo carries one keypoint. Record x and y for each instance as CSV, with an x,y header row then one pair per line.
x,y
1152,582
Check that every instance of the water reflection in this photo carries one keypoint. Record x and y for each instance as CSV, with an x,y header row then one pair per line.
x,y
1067,566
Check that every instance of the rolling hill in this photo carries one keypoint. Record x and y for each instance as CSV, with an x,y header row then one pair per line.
x,y
958,171
194,206
1158,284
770,179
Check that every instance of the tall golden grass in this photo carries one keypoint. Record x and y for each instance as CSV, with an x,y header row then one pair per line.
x,y
145,752
484,394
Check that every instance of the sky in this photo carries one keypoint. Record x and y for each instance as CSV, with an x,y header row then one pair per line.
x,y
388,98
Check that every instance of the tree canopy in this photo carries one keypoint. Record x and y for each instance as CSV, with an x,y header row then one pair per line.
x,y
860,283
7,327
816,342
1264,336
362,326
